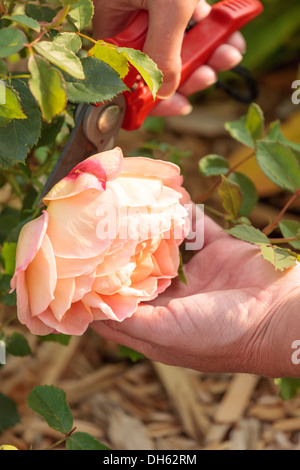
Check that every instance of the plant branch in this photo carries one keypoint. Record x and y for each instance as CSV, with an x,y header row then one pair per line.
x,y
231,170
87,37
277,241
270,227
207,195
61,441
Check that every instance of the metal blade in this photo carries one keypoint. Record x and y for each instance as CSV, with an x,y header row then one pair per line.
x,y
96,130
77,149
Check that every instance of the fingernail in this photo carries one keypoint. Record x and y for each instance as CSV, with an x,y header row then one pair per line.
x,y
165,96
186,110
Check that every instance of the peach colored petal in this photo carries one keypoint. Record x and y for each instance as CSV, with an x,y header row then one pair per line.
x,y
75,321
83,284
142,289
115,260
92,173
35,325
165,171
116,307
143,269
112,283
41,278
69,187
162,285
167,258
136,190
111,161
75,223
29,242
63,296
68,267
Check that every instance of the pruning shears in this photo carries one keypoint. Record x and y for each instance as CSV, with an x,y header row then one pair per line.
x,y
97,126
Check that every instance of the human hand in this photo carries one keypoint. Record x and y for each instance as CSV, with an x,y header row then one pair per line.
x,y
236,313
167,24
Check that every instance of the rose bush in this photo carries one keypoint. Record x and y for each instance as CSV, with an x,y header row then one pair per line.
x,y
108,239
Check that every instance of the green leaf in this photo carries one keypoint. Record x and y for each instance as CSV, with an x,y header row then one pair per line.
x,y
248,234
110,54
84,441
69,40
249,128
154,124
62,57
3,68
279,163
101,83
288,386
56,338
50,131
290,228
279,257
146,67
231,197
47,86
19,136
40,13
24,20
81,13
181,273
213,165
17,345
11,109
249,193
274,133
11,41
9,415
50,403
131,354
9,256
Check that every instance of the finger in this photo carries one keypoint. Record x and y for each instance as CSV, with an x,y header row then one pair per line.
x,y
202,78
177,105
224,58
238,41
163,43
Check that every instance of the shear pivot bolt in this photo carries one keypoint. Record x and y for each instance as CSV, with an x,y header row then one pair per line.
x,y
108,118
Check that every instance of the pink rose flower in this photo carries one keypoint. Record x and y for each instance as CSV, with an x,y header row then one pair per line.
x,y
108,240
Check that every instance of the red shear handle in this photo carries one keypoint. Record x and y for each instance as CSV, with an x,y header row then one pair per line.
x,y
199,43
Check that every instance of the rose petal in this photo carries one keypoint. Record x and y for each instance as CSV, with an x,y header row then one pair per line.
x,y
91,173
29,242
77,225
136,190
165,171
112,283
35,325
41,278
63,296
83,284
75,321
68,267
167,258
116,307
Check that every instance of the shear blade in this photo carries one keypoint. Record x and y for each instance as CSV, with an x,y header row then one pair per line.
x,y
76,150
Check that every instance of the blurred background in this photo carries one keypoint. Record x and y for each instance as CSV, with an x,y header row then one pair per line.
x,y
134,403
